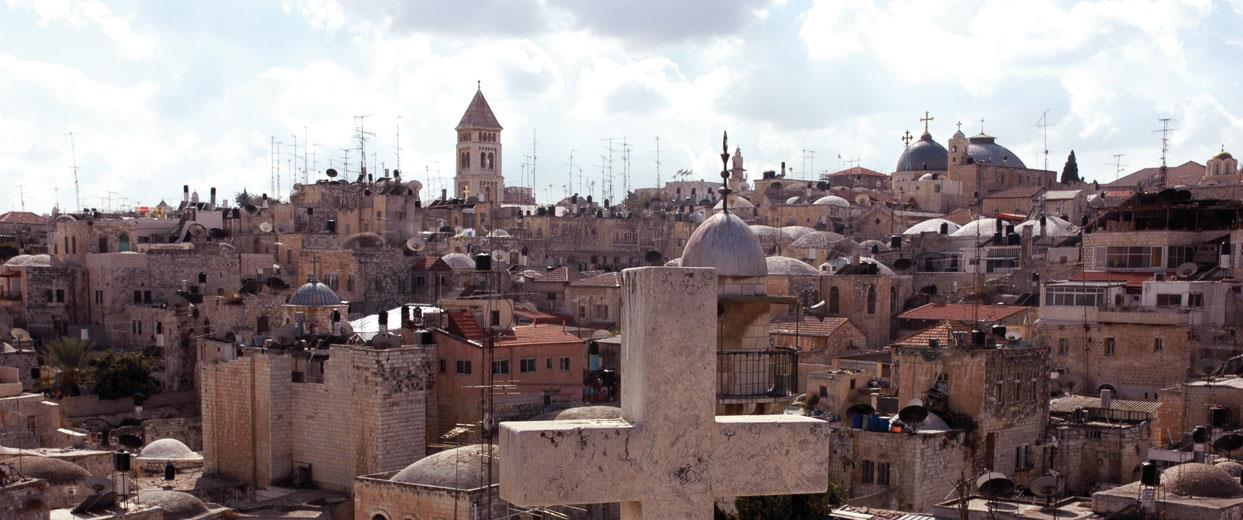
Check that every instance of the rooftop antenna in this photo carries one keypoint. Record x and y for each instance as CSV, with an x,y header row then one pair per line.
x,y
272,166
362,134
533,157
345,161
809,154
572,171
21,195
1118,165
658,161
609,164
626,166
1043,125
397,147
277,190
73,152
293,159
1165,147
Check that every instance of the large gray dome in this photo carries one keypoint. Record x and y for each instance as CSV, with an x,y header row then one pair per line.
x,y
458,468
924,155
1193,479
458,262
728,244
315,294
176,504
984,148
57,472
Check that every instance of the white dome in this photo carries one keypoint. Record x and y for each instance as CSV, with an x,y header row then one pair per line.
x,y
927,177
932,225
1053,227
795,232
832,200
837,264
763,231
726,243
794,200
498,233
982,227
786,266
735,202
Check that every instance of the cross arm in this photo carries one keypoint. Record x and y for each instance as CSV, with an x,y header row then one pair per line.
x,y
546,463
770,455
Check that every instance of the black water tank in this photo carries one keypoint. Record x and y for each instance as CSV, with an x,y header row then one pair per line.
x,y
978,337
1199,435
895,242
170,471
1218,416
1149,474
331,226
483,262
120,461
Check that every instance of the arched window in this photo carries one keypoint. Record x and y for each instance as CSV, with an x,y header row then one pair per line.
x,y
483,160
491,158
872,300
834,301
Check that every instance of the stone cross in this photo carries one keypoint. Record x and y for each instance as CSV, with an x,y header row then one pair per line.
x,y
669,457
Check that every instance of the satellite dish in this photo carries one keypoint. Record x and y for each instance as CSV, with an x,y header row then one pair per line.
x,y
331,173
386,340
1228,442
416,244
913,413
98,484
1045,486
265,227
1186,270
20,334
197,230
1207,367
862,199
994,485
819,310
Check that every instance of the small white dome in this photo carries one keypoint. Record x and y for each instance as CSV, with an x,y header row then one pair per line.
x,y
1053,227
832,200
927,177
981,227
735,202
786,266
726,243
932,225
794,200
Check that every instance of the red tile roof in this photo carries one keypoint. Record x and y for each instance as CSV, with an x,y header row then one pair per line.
x,y
959,216
530,335
809,326
21,217
1131,279
604,280
962,312
463,324
558,275
942,332
539,317
431,263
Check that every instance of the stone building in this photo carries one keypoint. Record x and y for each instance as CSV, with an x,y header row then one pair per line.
x,y
819,341
451,484
595,300
66,481
24,499
1100,440
870,294
42,296
1189,404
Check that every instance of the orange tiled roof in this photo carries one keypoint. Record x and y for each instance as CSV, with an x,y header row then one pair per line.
x,y
21,217
604,280
961,312
809,326
431,263
540,334
463,324
558,275
942,332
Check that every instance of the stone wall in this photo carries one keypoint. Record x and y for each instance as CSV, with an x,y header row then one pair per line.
x,y
23,361
922,468
188,430
396,501
26,500
1135,368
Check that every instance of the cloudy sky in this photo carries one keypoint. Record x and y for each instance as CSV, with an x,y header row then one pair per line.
x,y
160,94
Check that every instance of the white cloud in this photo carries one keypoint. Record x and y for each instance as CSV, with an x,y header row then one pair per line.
x,y
130,43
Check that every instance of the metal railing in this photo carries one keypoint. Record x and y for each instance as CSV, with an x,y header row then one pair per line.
x,y
756,375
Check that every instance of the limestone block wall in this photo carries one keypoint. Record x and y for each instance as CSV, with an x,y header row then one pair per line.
x,y
396,501
26,500
1135,368
922,468
390,396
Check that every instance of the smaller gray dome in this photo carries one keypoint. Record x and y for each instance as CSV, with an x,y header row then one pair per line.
x,y
1193,479
726,243
932,225
794,200
168,449
923,155
984,148
1232,467
832,200
458,261
866,246
57,472
796,232
786,266
176,505
458,468
736,202
315,294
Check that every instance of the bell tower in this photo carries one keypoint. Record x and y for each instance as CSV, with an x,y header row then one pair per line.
x,y
478,172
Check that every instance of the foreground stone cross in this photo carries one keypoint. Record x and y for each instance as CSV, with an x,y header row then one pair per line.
x,y
670,456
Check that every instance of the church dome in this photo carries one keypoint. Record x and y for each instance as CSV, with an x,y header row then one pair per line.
x,y
923,155
458,468
786,266
458,261
315,294
726,243
176,505
1193,479
1223,155
55,471
832,200
984,148
932,225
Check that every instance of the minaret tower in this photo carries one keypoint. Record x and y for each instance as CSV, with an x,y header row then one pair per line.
x,y
478,173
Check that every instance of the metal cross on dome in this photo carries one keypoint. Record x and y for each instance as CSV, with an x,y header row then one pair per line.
x,y
926,119
907,138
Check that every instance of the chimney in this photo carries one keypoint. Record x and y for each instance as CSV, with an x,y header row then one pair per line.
x,y
336,323
212,205
1107,398
185,193
383,318
783,168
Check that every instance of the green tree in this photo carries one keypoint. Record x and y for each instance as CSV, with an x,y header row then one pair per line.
x,y
242,199
815,506
123,375
70,358
1070,172
9,250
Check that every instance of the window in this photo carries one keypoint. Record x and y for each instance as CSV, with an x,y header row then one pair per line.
x,y
526,366
136,327
548,363
882,473
868,472
871,300
565,364
500,367
137,296
103,244
1063,346
494,318
834,300
1158,344
1132,257
463,366
1169,300
1075,295
60,296
159,327
99,296
824,391
1110,346
552,296
442,366
1195,299
999,392
1179,255
582,312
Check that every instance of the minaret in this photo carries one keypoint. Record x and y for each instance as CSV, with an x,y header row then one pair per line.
x,y
478,171
737,174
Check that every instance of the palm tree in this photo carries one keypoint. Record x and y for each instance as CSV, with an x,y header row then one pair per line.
x,y
70,356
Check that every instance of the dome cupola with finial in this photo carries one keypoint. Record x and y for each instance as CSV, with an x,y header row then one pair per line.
x,y
924,154
724,241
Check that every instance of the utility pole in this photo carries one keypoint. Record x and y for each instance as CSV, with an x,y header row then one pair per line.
x,y
73,152
1043,125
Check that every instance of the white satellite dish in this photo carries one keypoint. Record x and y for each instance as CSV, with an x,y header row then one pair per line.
x,y
265,227
1207,367
1186,270
416,244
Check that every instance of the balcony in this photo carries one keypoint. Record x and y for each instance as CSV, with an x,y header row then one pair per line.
x,y
756,376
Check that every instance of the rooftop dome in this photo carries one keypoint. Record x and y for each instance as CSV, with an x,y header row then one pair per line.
x,y
981,227
736,202
30,261
499,233
928,177
983,148
932,423
826,240
923,155
458,468
786,266
1193,479
932,225
676,262
837,264
763,231
168,449
580,413
867,246
1233,468
1223,155
1053,227
832,200
726,243
796,232
176,505
458,261
794,200
314,294
57,472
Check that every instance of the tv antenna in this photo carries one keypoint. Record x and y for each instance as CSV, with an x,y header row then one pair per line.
x,y
531,170
73,153
397,147
1118,165
607,192
1165,147
658,162
809,154
572,172
1043,125
361,133
21,195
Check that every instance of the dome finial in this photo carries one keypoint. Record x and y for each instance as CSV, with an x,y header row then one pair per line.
x,y
724,190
